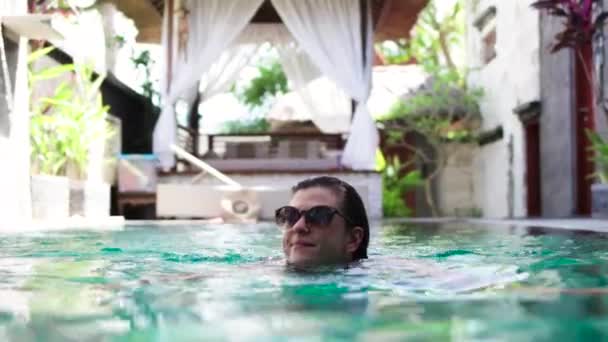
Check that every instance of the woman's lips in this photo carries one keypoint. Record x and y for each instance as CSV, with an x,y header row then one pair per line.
x,y
303,244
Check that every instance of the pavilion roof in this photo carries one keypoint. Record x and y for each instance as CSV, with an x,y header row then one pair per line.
x,y
393,19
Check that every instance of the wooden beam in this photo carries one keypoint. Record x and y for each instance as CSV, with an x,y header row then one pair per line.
x,y
194,122
383,14
266,14
32,26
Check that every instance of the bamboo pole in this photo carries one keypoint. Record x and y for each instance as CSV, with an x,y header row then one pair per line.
x,y
204,166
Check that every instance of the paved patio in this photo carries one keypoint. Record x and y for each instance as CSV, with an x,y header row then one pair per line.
x,y
583,224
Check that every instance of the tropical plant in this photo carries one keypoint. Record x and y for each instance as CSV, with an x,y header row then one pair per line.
x,y
59,6
66,125
435,40
396,182
600,148
258,125
442,110
48,149
143,61
436,106
580,23
270,82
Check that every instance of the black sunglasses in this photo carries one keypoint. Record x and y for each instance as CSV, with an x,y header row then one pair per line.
x,y
320,215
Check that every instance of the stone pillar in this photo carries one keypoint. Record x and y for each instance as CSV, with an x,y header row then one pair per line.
x,y
601,112
557,125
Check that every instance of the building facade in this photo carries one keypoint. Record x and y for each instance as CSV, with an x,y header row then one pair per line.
x,y
536,109
503,44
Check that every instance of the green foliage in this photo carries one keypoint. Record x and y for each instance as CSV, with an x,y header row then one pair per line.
x,y
270,82
380,161
434,110
119,40
394,186
62,6
444,109
436,39
144,62
67,124
599,146
258,125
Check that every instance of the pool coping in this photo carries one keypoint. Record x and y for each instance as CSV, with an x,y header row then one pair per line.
x,y
73,223
574,224
119,222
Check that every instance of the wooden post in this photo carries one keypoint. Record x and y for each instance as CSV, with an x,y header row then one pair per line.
x,y
363,5
193,123
170,14
584,120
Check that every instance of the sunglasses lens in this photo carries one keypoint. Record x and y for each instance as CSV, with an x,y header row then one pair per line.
x,y
287,216
319,216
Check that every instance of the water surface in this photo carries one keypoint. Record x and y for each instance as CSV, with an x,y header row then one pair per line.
x,y
228,282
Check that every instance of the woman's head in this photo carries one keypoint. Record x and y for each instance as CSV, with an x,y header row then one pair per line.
x,y
325,223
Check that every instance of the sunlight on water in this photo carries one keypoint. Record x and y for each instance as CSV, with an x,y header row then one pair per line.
x,y
230,283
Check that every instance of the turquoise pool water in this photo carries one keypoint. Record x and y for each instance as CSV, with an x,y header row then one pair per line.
x,y
195,282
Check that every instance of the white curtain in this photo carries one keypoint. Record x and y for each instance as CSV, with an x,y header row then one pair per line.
x,y
223,73
330,32
226,70
315,96
213,26
298,66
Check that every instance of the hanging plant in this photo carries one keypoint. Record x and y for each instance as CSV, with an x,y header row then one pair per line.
x,y
580,24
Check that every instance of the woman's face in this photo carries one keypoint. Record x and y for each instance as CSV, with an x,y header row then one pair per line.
x,y
309,245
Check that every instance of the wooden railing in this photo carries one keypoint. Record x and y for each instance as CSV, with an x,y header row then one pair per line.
x,y
190,140
333,141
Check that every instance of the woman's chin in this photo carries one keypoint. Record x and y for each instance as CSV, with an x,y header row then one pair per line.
x,y
303,260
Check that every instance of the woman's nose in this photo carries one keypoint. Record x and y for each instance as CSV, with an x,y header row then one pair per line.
x,y
300,226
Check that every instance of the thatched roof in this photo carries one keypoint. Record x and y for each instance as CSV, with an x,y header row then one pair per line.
x,y
393,19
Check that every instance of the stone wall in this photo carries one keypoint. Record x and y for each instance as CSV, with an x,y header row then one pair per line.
x,y
455,188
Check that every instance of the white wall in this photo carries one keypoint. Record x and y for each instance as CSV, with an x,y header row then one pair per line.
x,y
510,79
14,137
368,184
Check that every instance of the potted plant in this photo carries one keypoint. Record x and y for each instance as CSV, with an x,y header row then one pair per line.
x,y
69,131
599,190
87,136
49,184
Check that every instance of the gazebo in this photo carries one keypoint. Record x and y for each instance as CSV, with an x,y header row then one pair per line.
x,y
203,38
336,35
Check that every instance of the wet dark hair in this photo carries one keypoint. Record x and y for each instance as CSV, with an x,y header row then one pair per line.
x,y
351,206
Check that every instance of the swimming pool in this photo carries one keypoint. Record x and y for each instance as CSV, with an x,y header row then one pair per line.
x,y
227,282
